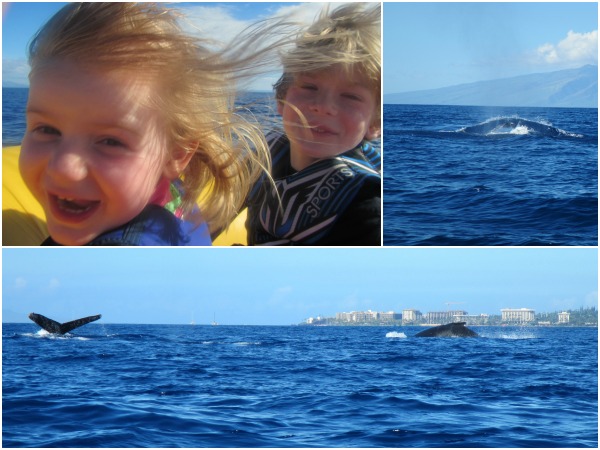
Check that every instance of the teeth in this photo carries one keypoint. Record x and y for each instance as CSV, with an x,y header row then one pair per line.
x,y
71,206
321,130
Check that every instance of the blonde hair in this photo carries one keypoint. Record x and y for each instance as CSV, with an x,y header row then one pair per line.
x,y
349,37
196,92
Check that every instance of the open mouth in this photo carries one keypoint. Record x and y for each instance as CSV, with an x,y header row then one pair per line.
x,y
72,208
322,130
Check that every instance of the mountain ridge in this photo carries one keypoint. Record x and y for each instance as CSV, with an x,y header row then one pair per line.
x,y
569,88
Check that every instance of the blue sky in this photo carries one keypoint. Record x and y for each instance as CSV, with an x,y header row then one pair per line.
x,y
259,286
431,45
222,21
427,44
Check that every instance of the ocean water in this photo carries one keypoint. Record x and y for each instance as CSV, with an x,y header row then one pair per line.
x,y
110,385
458,175
14,102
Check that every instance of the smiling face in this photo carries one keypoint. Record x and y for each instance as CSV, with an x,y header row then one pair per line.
x,y
93,152
326,114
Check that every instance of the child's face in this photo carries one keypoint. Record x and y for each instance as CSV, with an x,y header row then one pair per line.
x,y
93,153
339,111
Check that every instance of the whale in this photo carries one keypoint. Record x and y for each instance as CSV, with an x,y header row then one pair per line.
x,y
52,326
510,125
456,329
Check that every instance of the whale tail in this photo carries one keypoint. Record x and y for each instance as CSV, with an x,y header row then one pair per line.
x,y
52,326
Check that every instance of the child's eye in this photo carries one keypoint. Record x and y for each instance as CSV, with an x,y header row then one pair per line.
x,y
351,96
309,87
111,142
112,147
46,130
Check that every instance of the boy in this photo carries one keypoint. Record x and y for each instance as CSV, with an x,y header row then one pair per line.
x,y
326,174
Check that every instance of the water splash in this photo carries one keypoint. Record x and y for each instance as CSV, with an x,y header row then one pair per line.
x,y
43,334
511,126
395,335
514,334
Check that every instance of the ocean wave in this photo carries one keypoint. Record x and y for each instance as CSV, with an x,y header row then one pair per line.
x,y
317,387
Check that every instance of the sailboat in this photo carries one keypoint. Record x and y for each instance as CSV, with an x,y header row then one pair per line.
x,y
214,322
192,322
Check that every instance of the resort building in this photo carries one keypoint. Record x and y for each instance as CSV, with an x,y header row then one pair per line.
x,y
344,317
441,317
316,321
411,316
472,319
367,316
523,315
563,317
389,316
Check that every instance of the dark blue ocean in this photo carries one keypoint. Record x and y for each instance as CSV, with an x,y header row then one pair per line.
x,y
459,175
251,386
14,101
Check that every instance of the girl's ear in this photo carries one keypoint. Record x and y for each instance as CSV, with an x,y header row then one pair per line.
x,y
178,161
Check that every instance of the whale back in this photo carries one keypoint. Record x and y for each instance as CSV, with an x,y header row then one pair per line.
x,y
456,329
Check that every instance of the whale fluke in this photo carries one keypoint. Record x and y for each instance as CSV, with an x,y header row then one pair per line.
x,y
456,329
52,326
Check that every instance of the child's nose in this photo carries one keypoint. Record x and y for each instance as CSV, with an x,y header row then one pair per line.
x,y
68,163
324,103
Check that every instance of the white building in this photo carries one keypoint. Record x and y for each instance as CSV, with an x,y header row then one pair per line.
x,y
523,315
411,315
313,321
344,316
357,316
472,319
563,317
389,316
366,316
442,317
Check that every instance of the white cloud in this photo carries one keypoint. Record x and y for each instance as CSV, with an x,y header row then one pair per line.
x,y
216,24
575,49
212,21
304,12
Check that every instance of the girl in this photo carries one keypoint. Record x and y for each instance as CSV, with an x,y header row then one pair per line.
x,y
131,126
